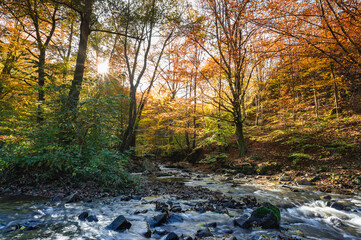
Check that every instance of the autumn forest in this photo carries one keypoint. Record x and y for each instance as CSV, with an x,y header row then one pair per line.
x,y
89,86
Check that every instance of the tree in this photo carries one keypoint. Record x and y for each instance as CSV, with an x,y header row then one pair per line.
x,y
228,41
38,20
142,19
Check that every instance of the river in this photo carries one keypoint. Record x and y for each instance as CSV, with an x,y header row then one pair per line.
x,y
305,213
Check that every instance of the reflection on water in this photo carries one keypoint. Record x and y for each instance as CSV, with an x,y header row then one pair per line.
x,y
306,217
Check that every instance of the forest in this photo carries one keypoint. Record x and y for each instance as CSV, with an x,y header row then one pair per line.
x,y
207,117
89,88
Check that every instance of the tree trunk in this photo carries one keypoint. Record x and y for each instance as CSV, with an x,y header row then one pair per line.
x,y
129,136
195,112
241,142
76,84
335,91
41,84
315,100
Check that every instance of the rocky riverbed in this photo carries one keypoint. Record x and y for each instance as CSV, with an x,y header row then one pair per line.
x,y
174,204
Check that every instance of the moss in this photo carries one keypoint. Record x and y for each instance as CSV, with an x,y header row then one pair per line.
x,y
266,209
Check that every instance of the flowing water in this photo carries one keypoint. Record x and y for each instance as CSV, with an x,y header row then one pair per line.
x,y
304,215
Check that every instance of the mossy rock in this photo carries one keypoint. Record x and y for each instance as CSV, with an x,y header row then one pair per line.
x,y
266,209
246,168
266,217
266,168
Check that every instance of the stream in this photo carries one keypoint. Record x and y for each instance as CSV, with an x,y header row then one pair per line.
x,y
305,213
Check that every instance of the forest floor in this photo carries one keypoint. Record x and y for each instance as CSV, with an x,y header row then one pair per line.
x,y
327,154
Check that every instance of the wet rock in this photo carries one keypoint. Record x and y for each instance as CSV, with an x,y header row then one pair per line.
x,y
148,233
337,206
119,224
82,216
92,218
326,197
303,181
185,237
203,233
162,207
159,220
213,224
58,198
72,198
176,208
171,236
141,211
336,222
27,226
285,205
240,175
126,198
174,218
250,201
136,197
240,221
296,190
267,216
160,232
285,178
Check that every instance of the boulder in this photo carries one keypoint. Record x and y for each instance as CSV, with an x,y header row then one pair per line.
x,y
172,218
159,220
267,216
337,206
303,182
83,216
58,198
72,198
171,236
92,218
202,233
119,224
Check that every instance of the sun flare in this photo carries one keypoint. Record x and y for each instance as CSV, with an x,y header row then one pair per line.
x,y
103,67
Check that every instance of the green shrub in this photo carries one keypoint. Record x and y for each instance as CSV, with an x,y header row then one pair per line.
x,y
82,149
